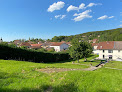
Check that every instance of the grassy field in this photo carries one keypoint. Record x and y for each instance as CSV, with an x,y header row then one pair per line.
x,y
19,76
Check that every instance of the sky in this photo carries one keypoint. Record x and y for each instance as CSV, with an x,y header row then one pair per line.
x,y
21,19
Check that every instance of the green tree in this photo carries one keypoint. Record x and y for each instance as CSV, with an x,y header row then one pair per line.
x,y
80,49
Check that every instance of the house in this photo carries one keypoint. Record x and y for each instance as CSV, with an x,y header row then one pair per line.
x,y
94,40
26,44
1,40
95,50
59,46
17,42
36,46
109,50
47,44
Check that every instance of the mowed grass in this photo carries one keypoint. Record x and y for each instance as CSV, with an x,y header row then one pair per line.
x,y
20,76
114,64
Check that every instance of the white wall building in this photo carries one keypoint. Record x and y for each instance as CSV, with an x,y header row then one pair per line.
x,y
109,50
58,46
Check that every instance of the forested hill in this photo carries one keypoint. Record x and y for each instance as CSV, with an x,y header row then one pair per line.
x,y
107,35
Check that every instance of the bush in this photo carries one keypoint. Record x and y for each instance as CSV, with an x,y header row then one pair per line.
x,y
7,52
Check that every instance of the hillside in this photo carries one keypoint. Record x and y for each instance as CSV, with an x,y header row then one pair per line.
x,y
20,76
107,35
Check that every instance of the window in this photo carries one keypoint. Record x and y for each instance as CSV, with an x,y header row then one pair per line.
x,y
103,56
110,56
103,51
110,51
118,50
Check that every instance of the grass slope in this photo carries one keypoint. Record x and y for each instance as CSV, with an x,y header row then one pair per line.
x,y
19,76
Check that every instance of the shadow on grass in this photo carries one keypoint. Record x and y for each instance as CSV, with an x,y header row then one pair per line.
x,y
43,88
71,87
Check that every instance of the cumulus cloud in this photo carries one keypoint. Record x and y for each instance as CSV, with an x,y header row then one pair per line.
x,y
56,6
82,6
83,15
60,16
93,4
63,16
57,16
105,17
111,17
120,25
71,7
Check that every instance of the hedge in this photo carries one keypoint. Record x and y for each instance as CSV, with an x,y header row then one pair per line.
x,y
9,53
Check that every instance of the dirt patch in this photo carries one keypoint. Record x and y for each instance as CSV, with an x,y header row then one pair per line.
x,y
52,70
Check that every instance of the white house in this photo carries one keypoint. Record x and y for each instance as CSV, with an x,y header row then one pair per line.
x,y
59,46
109,50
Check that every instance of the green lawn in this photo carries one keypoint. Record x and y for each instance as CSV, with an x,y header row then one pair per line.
x,y
114,64
20,76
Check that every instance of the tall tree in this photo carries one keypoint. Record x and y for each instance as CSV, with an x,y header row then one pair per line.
x,y
80,49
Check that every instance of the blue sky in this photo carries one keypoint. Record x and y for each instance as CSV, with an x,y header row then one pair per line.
x,y
21,19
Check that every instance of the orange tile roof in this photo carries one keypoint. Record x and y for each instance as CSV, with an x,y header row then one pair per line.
x,y
25,44
37,45
56,44
106,45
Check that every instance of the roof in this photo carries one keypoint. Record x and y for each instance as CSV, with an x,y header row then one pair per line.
x,y
37,45
25,44
106,45
56,44
95,44
118,45
94,40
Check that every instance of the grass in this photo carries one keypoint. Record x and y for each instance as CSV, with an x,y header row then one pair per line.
x,y
20,76
114,64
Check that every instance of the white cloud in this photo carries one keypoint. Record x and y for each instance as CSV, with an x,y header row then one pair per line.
x,y
57,16
82,15
82,6
120,25
105,17
60,16
93,4
111,17
71,7
120,21
56,6
63,16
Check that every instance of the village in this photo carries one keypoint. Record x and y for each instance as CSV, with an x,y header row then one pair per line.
x,y
111,50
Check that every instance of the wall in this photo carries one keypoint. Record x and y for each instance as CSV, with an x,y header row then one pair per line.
x,y
115,55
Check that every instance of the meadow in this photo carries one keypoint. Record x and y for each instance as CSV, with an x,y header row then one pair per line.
x,y
21,76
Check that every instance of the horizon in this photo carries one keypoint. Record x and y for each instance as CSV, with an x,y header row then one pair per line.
x,y
41,19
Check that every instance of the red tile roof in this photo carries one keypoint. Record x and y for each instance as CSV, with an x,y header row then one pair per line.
x,y
25,44
37,45
106,45
56,44
95,44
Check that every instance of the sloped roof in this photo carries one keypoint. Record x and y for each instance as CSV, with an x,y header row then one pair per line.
x,y
94,44
37,45
118,45
106,45
56,44
25,44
